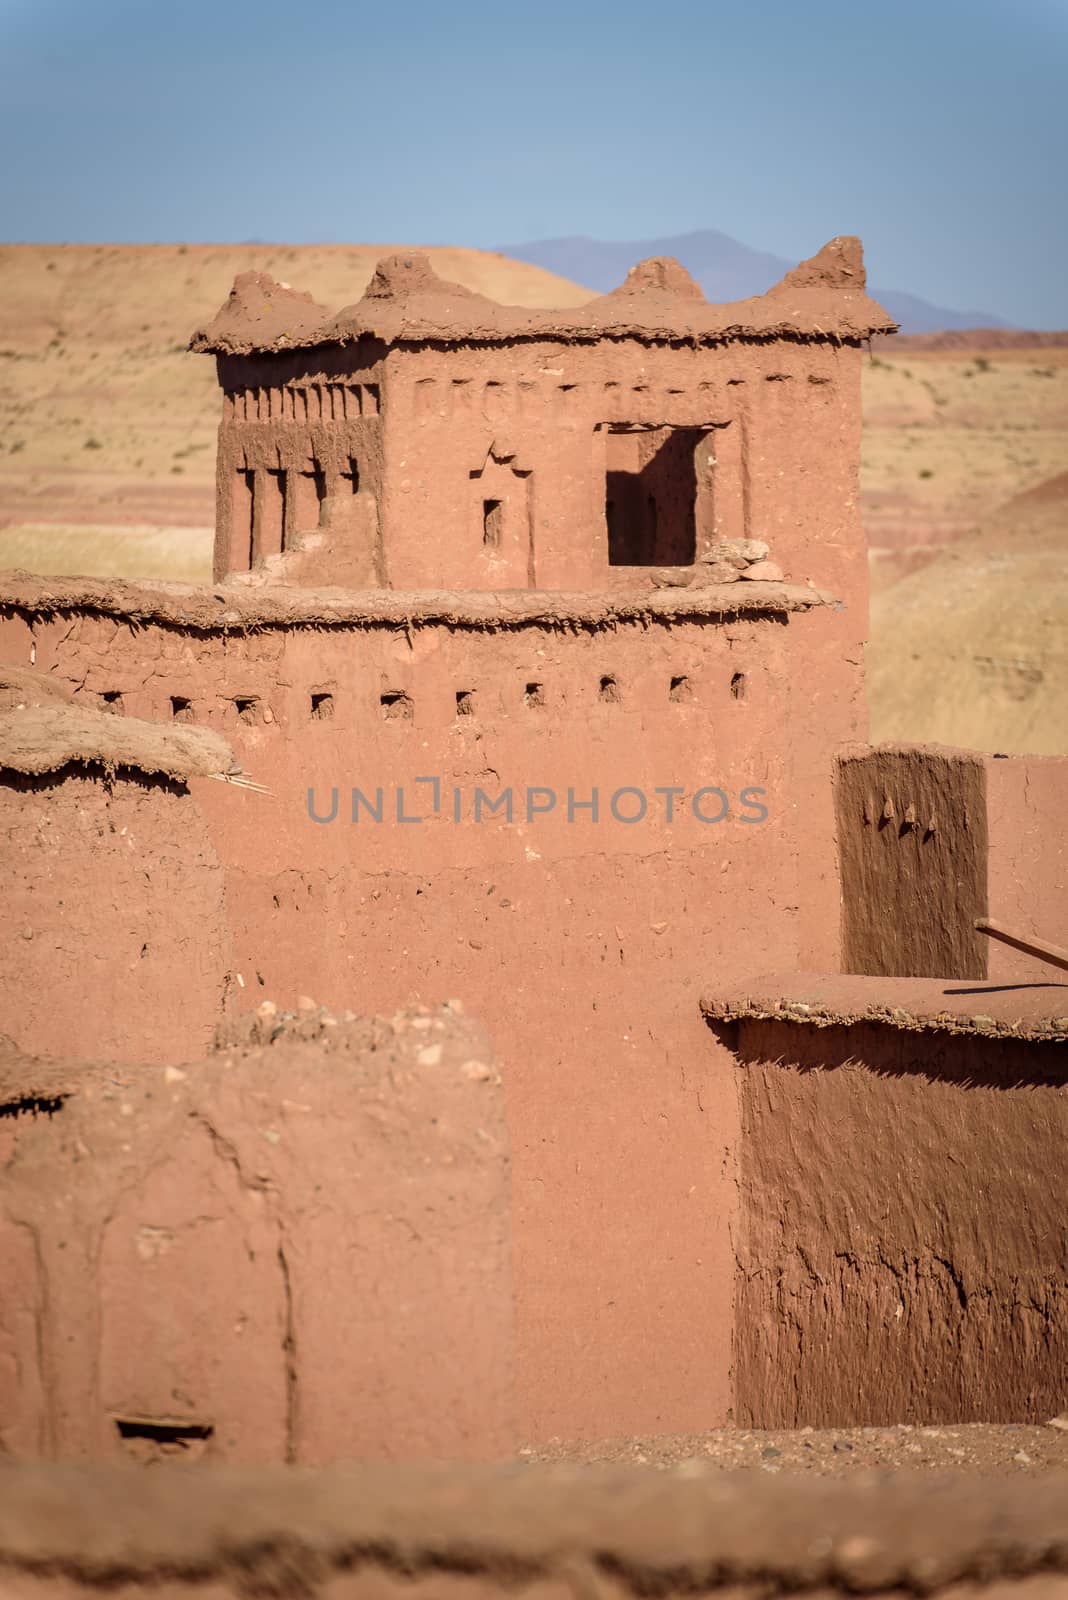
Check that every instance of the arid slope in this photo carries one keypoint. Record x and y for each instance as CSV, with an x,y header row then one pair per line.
x,y
973,648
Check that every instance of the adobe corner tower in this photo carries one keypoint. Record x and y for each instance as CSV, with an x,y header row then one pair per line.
x,y
427,438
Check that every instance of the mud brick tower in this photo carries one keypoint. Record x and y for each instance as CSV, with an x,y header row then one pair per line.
x,y
426,437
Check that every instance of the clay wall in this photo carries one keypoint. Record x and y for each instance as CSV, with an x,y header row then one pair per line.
x,y
771,434
902,1238
1027,874
932,838
493,466
296,1250
476,1532
582,943
113,931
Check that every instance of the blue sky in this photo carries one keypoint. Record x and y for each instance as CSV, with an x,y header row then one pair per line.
x,y
936,129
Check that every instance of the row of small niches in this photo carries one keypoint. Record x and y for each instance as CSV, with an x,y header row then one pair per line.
x,y
398,705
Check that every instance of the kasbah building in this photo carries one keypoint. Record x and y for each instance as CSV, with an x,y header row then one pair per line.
x,y
467,977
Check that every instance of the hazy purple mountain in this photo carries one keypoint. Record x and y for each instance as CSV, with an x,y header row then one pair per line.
x,y
725,269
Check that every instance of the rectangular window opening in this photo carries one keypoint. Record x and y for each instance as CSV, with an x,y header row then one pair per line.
x,y
181,708
322,707
651,481
245,706
491,523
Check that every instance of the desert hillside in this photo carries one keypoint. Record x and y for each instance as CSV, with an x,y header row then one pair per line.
x,y
950,434
107,463
973,649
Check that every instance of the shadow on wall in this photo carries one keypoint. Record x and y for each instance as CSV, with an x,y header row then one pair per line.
x,y
651,496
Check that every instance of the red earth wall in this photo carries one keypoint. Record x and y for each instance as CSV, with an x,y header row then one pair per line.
x,y
772,430
295,1250
582,945
113,932
472,1532
902,1238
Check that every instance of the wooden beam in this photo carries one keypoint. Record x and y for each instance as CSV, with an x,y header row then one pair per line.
x,y
1030,947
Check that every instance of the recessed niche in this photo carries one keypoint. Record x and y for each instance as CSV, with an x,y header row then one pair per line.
x,y
310,494
111,700
491,523
181,708
396,705
246,706
322,707
534,695
465,702
609,691
680,690
740,685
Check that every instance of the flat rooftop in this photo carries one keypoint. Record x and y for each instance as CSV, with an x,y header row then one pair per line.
x,y
1037,1010
237,608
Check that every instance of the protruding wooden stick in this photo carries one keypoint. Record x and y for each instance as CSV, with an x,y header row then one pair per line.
x,y
1030,947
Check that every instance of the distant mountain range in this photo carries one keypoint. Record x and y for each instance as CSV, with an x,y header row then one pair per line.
x,y
725,269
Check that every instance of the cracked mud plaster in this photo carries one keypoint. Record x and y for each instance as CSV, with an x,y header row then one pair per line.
x,y
902,1233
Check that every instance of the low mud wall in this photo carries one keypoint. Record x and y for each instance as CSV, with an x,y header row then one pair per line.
x,y
295,1250
903,1243
531,1533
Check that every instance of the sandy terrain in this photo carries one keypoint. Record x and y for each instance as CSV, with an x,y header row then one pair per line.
x,y
949,436
107,433
965,495
972,648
